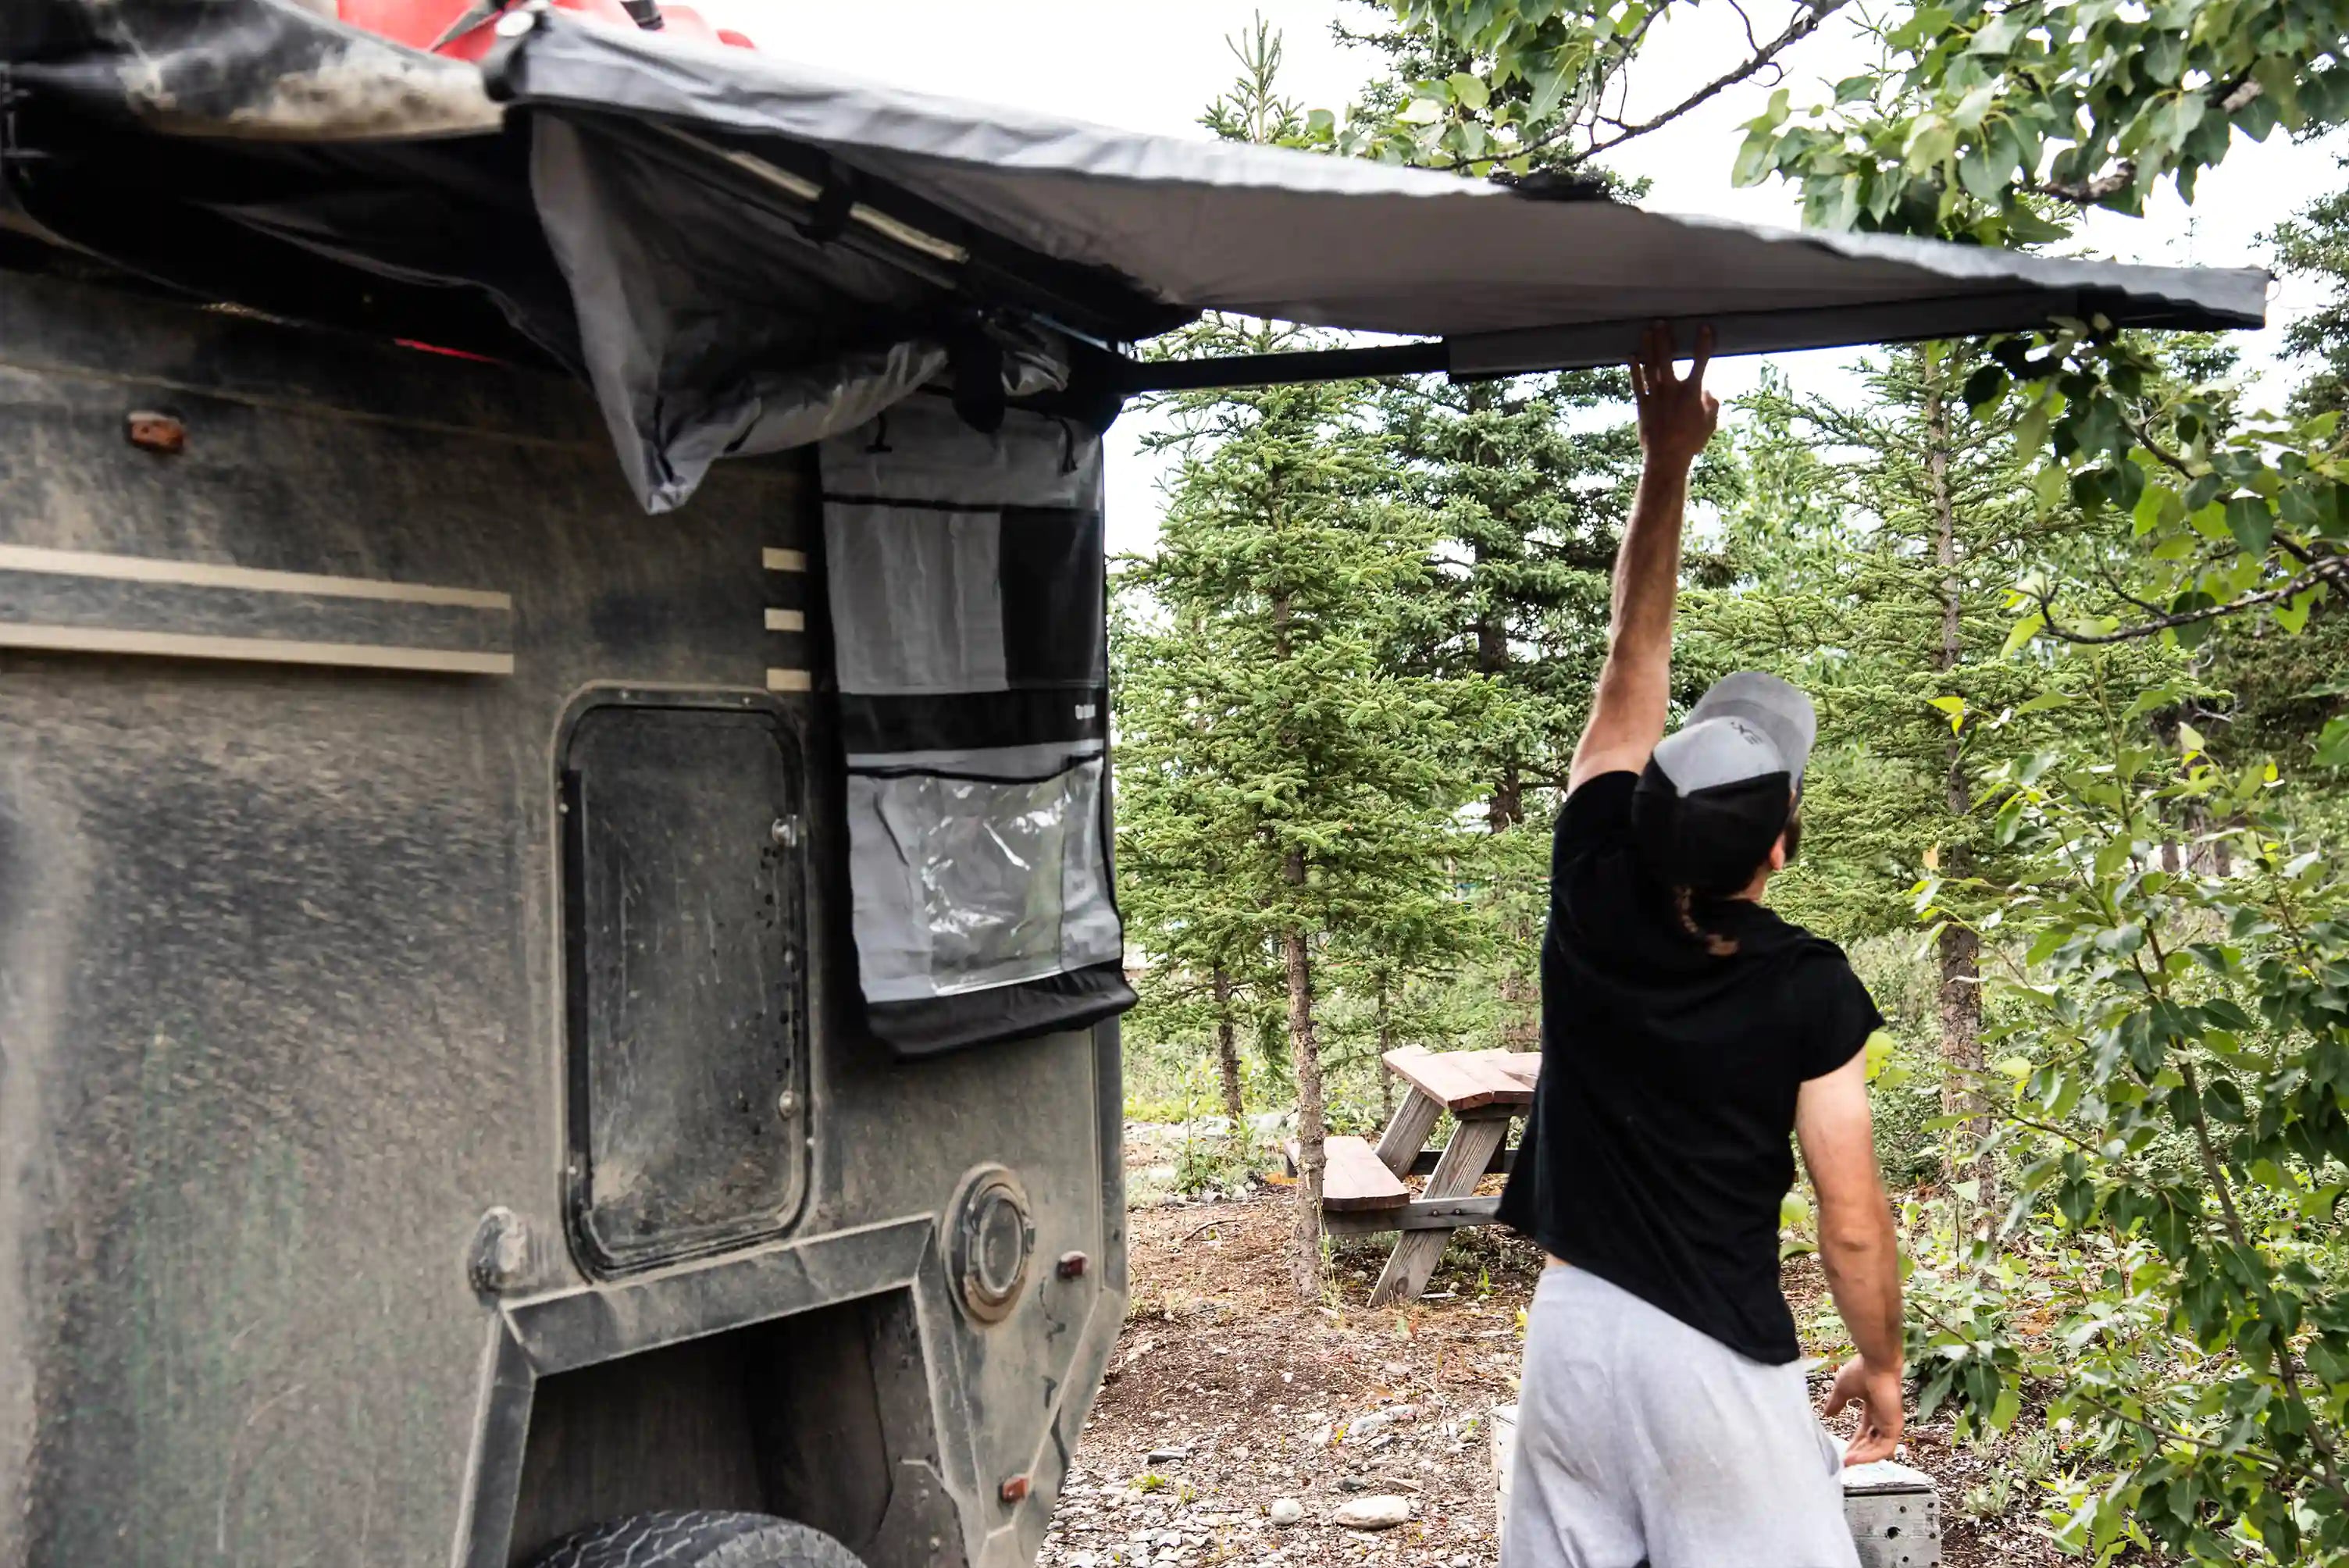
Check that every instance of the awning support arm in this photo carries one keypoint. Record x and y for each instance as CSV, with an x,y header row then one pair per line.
x,y
1137,376
1530,350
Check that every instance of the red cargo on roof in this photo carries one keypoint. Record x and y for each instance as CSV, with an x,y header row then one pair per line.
x,y
463,30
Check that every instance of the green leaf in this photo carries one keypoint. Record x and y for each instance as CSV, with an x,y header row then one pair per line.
x,y
1851,89
2333,744
2292,615
1974,105
1983,177
2157,505
2008,1406
1984,386
1469,89
2048,486
1421,111
1933,143
2019,636
2030,433
2218,1010
1878,1051
2251,521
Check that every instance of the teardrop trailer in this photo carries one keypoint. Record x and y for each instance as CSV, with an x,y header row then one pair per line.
x,y
544,995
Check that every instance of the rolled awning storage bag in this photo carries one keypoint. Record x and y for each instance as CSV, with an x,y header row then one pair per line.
x,y
969,639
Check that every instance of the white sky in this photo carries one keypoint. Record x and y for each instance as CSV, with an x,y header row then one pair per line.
x,y
1153,65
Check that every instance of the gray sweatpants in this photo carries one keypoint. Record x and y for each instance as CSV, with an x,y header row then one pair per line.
x,y
1641,1438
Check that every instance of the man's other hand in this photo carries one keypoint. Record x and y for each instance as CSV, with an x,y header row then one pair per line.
x,y
1677,414
1876,1391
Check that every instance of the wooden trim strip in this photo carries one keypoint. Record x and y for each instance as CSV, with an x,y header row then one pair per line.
x,y
790,680
783,560
786,621
258,650
203,575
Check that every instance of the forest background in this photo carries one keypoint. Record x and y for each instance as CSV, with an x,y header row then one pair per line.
x,y
2072,608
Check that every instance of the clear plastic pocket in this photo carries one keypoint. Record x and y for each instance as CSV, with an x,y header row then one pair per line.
x,y
964,880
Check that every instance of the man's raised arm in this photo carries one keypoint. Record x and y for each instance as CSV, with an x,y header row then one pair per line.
x,y
1677,417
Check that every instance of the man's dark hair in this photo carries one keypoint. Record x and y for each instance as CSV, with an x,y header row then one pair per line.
x,y
1685,900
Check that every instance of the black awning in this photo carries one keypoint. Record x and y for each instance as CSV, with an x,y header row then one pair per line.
x,y
743,252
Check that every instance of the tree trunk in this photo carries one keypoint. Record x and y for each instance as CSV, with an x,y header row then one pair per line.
x,y
1386,1044
1505,807
1228,1053
1305,1056
1959,949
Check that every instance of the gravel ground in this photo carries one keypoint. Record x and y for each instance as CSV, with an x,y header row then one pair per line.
x,y
1228,1400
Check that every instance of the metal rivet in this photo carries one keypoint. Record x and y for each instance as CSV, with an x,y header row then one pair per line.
x,y
1013,1491
1072,1265
787,1104
786,831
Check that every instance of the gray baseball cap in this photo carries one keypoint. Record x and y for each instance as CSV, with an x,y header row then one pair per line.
x,y
1779,709
1719,791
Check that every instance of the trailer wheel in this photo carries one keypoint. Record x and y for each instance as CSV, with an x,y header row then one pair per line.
x,y
698,1537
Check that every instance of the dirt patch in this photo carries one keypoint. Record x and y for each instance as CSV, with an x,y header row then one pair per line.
x,y
1227,1396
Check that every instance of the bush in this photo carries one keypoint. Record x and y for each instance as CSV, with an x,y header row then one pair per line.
x,y
2175,1052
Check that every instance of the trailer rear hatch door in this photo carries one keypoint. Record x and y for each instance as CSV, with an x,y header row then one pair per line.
x,y
683,923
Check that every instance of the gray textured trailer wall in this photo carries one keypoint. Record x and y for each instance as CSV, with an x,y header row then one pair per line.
x,y
281,962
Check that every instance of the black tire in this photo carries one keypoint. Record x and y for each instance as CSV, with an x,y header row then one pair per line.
x,y
698,1537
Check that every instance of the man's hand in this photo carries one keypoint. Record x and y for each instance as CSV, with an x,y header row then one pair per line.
x,y
1677,415
1878,1391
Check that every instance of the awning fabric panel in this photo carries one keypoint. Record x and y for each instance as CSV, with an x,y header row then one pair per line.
x,y
1330,242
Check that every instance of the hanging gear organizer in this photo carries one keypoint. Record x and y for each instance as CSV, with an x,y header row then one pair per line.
x,y
970,642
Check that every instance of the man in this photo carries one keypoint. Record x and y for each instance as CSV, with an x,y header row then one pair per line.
x,y
1686,1032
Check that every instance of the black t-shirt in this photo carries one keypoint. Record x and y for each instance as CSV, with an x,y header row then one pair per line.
x,y
1659,1145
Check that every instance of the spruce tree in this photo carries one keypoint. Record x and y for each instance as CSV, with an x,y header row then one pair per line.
x,y
1526,483
1308,787
1876,546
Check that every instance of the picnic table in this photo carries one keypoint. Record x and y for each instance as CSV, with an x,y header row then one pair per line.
x,y
1363,1189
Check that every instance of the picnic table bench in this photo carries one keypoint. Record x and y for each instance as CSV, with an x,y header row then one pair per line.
x,y
1363,1189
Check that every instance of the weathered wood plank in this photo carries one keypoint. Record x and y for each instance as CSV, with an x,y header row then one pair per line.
x,y
1406,1138
1422,1215
1353,1178
1423,1162
1468,1080
1466,1160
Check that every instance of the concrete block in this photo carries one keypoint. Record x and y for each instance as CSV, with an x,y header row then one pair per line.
x,y
1895,1515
